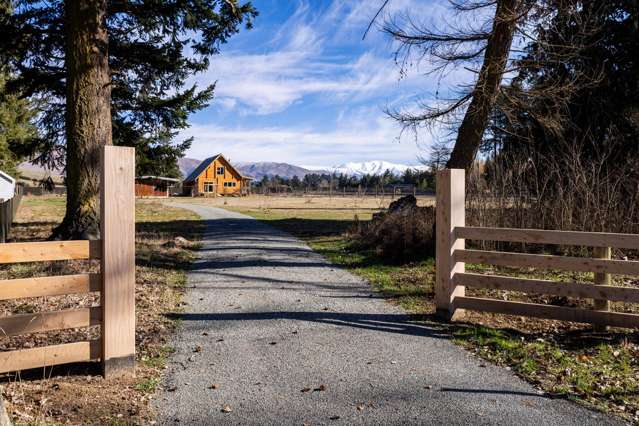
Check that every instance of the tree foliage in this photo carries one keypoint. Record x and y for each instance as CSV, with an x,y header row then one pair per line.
x,y
154,46
16,128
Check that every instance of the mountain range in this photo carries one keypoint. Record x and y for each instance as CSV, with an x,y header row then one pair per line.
x,y
258,170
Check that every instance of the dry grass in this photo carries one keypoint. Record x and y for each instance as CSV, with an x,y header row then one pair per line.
x,y
78,394
350,204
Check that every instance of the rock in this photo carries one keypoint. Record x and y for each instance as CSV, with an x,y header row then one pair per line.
x,y
177,242
4,417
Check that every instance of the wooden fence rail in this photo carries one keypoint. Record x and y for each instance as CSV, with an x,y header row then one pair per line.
x,y
452,256
115,283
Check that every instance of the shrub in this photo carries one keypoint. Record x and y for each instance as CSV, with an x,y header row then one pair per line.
x,y
402,234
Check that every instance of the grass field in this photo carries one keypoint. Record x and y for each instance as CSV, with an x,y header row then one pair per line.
x,y
78,394
563,359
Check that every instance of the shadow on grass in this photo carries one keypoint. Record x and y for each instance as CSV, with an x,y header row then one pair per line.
x,y
570,340
309,228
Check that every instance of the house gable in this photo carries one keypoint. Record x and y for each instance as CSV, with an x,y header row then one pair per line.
x,y
215,175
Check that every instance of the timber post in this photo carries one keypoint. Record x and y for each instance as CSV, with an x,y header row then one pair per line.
x,y
602,278
451,212
117,206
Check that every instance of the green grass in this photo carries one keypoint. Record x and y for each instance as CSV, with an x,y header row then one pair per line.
x,y
148,385
604,374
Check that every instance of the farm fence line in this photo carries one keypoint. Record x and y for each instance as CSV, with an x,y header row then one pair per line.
x,y
452,255
115,283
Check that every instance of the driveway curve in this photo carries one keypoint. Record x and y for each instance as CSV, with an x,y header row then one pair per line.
x,y
273,334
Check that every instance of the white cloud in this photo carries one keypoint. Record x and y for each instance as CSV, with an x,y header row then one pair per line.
x,y
319,54
361,141
300,62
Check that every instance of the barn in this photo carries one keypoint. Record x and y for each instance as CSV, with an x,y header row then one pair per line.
x,y
216,176
154,186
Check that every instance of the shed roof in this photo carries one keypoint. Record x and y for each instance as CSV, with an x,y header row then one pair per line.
x,y
161,178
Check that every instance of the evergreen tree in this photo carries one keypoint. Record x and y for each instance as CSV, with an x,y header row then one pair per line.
x,y
16,128
112,72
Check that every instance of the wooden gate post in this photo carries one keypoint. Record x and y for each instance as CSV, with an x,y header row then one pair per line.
x,y
451,212
117,227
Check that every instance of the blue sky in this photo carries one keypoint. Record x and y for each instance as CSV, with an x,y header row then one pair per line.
x,y
303,87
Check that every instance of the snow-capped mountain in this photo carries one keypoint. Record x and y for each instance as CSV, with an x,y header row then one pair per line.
x,y
258,170
376,167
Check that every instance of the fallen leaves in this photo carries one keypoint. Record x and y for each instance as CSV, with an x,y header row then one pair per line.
x,y
320,388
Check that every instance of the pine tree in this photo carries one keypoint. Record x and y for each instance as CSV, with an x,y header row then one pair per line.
x,y
16,128
112,72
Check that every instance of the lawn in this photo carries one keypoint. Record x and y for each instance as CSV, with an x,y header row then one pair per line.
x,y
563,359
78,394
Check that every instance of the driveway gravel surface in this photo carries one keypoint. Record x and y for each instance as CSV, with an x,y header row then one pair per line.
x,y
273,334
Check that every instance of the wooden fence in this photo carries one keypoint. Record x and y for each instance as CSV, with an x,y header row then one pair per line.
x,y
452,279
115,282
8,211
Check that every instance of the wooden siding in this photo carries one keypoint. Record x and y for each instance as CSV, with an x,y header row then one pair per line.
x,y
210,175
150,190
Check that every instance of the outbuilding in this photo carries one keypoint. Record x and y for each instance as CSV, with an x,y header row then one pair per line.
x,y
154,186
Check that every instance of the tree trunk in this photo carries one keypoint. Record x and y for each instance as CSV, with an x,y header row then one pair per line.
x,y
88,115
486,89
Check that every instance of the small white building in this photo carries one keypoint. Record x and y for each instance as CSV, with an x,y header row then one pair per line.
x,y
7,186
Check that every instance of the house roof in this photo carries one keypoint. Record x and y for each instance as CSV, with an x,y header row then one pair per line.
x,y
205,164
200,169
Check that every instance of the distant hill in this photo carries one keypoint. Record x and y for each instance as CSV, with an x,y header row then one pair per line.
x,y
263,168
187,165
257,170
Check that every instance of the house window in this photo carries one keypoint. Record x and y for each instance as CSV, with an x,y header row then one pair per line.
x,y
209,187
230,184
220,170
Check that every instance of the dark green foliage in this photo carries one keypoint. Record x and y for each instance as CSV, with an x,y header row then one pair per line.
x,y
565,141
588,54
154,47
322,181
16,128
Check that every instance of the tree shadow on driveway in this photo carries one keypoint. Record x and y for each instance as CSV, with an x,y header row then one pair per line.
x,y
413,325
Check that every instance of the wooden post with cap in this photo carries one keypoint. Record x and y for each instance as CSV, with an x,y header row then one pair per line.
x,y
451,213
117,228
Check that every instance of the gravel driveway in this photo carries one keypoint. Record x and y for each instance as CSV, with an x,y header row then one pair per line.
x,y
279,336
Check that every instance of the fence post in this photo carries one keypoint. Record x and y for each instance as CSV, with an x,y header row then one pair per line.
x,y
602,278
451,212
117,227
